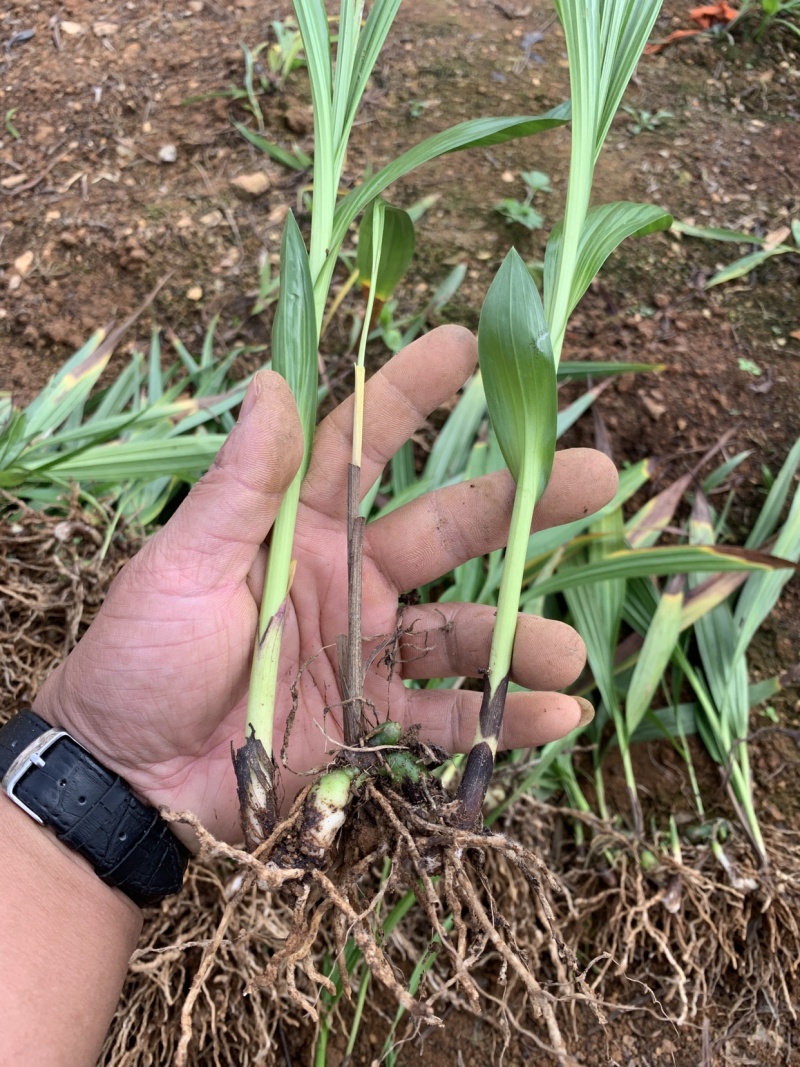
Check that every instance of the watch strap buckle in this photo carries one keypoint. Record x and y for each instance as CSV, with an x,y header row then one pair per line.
x,y
30,757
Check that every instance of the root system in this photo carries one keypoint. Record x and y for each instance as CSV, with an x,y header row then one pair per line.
x,y
554,946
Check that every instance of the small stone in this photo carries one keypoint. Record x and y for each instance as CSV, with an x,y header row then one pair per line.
x,y
654,410
195,6
167,153
104,29
508,177
299,119
14,282
212,218
195,293
23,263
252,184
72,29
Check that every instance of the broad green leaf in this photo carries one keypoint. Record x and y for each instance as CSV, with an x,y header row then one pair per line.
x,y
601,369
606,227
769,516
655,654
758,597
650,521
646,562
607,535
475,133
12,438
122,460
370,41
725,669
712,233
665,723
721,473
543,542
294,331
604,40
519,374
69,387
519,377
449,454
397,250
739,268
625,26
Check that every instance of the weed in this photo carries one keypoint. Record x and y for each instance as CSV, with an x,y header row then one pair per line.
x,y
9,123
643,120
522,212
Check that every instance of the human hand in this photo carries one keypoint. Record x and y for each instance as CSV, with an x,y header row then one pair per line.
x,y
157,688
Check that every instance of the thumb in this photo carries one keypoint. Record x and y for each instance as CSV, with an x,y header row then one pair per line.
x,y
214,536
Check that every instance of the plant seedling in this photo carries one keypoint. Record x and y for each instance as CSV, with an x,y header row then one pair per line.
x,y
522,211
646,120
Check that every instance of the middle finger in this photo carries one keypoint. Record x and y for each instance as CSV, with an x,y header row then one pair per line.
x,y
431,535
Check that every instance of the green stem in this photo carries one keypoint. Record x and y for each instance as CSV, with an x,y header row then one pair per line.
x,y
264,671
505,626
480,763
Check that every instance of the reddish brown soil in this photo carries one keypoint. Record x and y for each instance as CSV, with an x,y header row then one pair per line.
x,y
100,90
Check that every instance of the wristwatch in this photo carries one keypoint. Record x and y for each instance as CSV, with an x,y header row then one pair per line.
x,y
90,808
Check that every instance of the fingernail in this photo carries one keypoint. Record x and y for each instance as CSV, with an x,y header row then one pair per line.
x,y
250,398
587,712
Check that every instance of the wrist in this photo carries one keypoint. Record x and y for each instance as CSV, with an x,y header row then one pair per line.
x,y
60,784
65,942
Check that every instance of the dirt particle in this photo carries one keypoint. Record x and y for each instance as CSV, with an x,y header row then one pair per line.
x,y
104,29
23,264
252,184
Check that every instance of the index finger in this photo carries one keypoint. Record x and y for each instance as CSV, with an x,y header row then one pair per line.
x,y
397,400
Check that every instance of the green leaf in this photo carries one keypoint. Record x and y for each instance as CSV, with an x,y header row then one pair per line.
x,y
397,250
761,592
645,562
120,461
655,654
606,227
650,521
712,233
296,160
294,331
601,369
739,268
769,516
69,387
519,375
475,133
450,452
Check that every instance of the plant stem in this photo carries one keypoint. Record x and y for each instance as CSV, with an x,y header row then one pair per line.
x,y
480,763
349,645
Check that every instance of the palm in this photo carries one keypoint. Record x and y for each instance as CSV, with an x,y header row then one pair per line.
x,y
158,687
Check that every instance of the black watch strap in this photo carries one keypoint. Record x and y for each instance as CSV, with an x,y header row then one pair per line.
x,y
91,809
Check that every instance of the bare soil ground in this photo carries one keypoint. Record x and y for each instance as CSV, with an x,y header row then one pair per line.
x,y
110,182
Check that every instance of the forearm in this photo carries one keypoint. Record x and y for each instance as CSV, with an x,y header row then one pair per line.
x,y
65,942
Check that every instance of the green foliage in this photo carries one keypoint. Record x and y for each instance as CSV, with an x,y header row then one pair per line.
x,y
642,120
774,244
131,443
397,251
522,212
